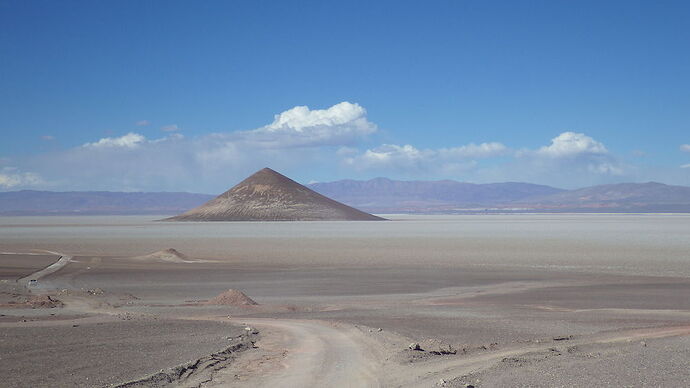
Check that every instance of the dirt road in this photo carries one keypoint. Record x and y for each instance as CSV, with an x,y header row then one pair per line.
x,y
315,353
56,266
304,353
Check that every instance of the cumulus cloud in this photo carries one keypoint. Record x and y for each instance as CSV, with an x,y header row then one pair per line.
x,y
170,128
570,144
391,155
413,160
300,118
11,177
205,163
685,147
342,124
570,158
297,138
130,140
572,153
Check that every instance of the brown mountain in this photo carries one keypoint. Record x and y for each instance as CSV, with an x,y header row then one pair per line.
x,y
620,197
383,195
270,196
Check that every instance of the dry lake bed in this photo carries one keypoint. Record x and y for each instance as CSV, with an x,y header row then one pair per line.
x,y
419,301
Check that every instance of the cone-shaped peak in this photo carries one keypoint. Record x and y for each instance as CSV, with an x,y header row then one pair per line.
x,y
267,176
268,195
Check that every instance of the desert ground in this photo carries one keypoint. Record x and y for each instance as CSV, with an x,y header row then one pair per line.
x,y
419,301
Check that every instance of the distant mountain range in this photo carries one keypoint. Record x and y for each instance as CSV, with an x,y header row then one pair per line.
x,y
29,202
621,197
381,195
385,195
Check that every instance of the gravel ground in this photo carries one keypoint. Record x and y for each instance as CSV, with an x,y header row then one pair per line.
x,y
99,354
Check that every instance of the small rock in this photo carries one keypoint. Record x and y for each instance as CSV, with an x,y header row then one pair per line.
x,y
643,344
379,329
414,346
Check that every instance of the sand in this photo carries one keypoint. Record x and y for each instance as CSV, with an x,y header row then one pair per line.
x,y
522,300
17,266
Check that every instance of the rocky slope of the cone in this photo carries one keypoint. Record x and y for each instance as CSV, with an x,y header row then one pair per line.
x,y
270,196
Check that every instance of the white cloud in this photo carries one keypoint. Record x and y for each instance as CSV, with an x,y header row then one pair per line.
x,y
571,153
570,144
685,166
483,150
47,137
130,140
142,123
170,128
570,157
207,163
301,117
306,140
685,147
408,157
10,177
342,124
391,155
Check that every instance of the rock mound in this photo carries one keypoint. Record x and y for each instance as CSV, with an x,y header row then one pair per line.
x,y
169,255
44,302
232,298
32,301
270,196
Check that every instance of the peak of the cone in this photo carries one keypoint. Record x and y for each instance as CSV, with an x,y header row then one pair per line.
x,y
267,170
265,176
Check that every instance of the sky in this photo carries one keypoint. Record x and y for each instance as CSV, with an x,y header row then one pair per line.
x,y
195,96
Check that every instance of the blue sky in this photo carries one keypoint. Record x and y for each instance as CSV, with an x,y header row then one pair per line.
x,y
132,95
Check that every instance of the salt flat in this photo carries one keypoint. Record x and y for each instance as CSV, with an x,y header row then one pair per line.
x,y
512,295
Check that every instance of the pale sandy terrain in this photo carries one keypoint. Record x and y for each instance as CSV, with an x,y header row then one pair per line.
x,y
557,300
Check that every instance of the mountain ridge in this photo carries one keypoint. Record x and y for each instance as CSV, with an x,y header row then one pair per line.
x,y
384,195
36,202
371,196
